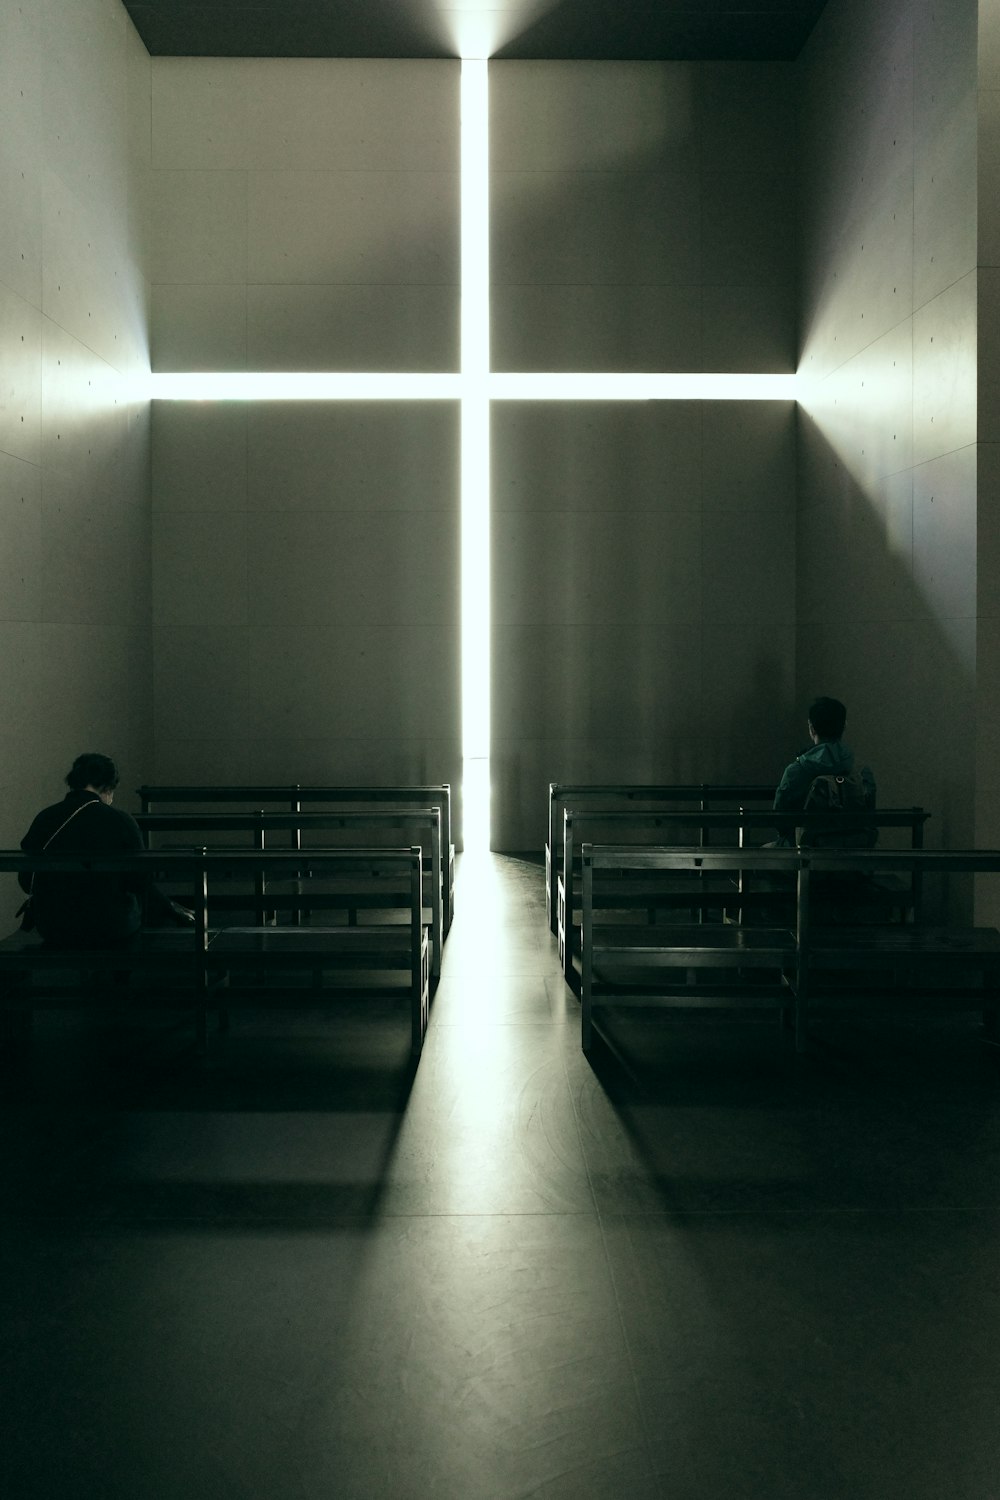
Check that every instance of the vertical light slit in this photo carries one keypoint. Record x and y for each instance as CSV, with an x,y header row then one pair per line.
x,y
475,467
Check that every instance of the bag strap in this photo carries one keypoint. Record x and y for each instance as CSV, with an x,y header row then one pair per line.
x,y
89,803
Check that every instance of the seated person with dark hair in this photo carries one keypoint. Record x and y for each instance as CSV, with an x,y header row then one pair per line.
x,y
89,911
827,756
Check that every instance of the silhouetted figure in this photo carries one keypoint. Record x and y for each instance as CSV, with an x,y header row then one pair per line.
x,y
826,756
86,911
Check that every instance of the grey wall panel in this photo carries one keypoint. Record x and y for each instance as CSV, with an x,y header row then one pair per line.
x,y
74,431
944,548
989,151
379,328
640,568
746,116
749,460
751,723
20,377
353,227
581,456
748,568
139,147
989,44
21,221
318,113
21,530
353,682
591,228
887,484
633,619
392,115
359,456
944,371
595,328
200,581
84,79
613,184
748,236
88,285
200,114
315,568
988,452
748,330
199,456
988,353
945,127
199,227
592,117
201,683
329,531
195,327
379,760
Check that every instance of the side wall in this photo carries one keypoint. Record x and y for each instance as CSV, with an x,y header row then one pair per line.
x,y
642,219
887,461
74,441
988,513
306,592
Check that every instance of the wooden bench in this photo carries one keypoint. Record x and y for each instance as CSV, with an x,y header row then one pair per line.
x,y
348,827
594,797
799,969
698,891
194,968
296,798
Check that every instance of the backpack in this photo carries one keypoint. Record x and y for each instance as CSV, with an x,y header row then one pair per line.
x,y
837,796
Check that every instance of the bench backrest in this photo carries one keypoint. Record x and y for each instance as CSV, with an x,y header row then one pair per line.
x,y
296,798
697,796
653,825
203,874
803,864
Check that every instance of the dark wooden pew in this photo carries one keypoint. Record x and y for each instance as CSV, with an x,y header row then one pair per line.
x,y
346,827
593,797
804,968
295,798
214,965
707,888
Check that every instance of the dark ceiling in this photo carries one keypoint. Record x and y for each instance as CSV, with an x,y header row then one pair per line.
x,y
745,30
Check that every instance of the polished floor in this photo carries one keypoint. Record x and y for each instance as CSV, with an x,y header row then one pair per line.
x,y
297,1273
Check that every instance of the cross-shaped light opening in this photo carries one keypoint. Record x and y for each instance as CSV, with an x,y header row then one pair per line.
x,y
475,387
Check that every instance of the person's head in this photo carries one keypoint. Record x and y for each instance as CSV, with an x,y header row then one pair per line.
x,y
93,773
827,717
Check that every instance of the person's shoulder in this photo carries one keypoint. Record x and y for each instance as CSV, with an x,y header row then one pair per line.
x,y
121,818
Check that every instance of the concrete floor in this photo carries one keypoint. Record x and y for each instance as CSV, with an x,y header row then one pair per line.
x,y
294,1273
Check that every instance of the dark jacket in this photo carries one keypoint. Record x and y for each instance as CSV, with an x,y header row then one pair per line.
x,y
85,910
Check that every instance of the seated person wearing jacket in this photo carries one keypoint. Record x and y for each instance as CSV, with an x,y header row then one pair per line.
x,y
827,756
86,911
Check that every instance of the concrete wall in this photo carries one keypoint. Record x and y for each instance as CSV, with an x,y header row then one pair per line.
x,y
642,218
75,664
887,522
988,512
306,555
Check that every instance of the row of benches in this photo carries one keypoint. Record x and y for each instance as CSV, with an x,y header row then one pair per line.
x,y
806,964
296,799
216,963
378,860
705,893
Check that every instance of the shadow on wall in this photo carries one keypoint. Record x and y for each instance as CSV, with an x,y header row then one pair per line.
x,y
887,619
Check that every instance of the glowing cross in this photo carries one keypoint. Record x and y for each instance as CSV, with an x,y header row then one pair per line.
x,y
475,387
